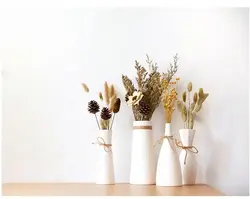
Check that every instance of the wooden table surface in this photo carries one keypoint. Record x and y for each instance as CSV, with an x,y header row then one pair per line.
x,y
87,189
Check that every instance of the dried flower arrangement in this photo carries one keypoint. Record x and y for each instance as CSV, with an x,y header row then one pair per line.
x,y
169,93
109,110
147,97
189,110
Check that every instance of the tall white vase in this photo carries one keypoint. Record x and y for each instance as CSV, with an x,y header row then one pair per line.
x,y
142,170
105,165
168,167
187,158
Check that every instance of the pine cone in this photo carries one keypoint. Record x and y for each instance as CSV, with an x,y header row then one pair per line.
x,y
93,107
144,108
105,114
117,105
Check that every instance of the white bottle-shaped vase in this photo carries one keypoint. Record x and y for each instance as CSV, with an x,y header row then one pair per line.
x,y
142,170
168,167
105,165
188,157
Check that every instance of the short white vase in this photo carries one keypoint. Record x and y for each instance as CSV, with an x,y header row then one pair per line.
x,y
142,170
187,157
105,165
168,167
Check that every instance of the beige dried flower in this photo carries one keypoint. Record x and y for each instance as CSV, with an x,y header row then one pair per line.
x,y
100,96
106,93
85,87
112,91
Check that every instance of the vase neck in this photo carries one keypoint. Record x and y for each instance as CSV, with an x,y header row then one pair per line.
x,y
168,129
106,135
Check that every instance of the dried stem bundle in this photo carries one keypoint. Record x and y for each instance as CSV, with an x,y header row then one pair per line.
x,y
189,110
108,112
150,87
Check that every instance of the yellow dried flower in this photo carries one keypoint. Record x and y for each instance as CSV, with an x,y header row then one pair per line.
x,y
177,78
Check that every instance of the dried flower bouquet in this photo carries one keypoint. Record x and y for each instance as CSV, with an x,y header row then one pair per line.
x,y
107,108
147,97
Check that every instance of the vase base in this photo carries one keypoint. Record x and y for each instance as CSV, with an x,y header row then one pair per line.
x,y
168,185
142,183
111,183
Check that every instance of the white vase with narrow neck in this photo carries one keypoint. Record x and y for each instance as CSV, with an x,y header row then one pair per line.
x,y
168,171
142,170
105,165
188,168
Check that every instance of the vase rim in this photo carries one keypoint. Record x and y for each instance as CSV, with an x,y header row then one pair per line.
x,y
105,130
142,123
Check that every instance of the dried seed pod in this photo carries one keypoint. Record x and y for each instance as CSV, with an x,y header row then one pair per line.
x,y
117,106
195,97
184,97
179,105
184,117
192,106
85,87
189,87
100,96
200,93
198,108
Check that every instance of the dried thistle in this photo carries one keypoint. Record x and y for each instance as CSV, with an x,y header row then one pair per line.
x,y
85,87
106,93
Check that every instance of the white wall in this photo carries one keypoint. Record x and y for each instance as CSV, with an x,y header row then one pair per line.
x,y
47,53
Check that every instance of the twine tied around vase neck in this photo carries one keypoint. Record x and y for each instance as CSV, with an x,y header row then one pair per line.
x,y
143,127
101,142
169,138
192,149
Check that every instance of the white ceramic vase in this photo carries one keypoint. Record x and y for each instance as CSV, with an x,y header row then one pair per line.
x,y
168,167
105,165
142,170
187,158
